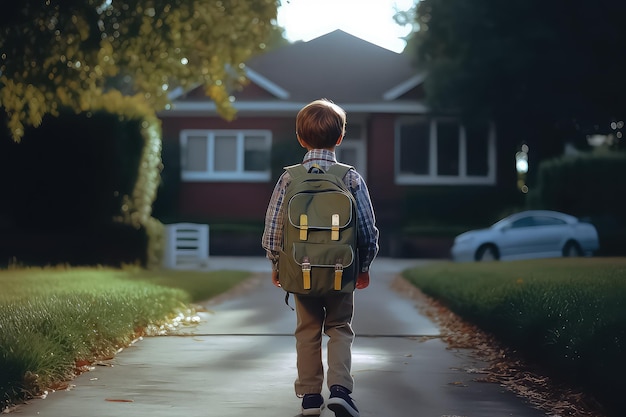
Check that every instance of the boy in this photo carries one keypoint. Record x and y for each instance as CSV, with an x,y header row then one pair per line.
x,y
320,127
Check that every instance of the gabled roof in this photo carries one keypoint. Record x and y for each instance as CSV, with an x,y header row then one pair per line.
x,y
336,65
354,73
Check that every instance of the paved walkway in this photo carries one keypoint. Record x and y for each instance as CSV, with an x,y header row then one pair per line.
x,y
240,361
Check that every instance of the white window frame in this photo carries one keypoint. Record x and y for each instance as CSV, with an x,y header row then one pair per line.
x,y
433,178
239,174
358,144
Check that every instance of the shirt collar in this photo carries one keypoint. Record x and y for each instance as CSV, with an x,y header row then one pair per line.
x,y
322,157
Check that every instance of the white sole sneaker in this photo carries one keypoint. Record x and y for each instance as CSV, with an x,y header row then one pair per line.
x,y
341,408
312,411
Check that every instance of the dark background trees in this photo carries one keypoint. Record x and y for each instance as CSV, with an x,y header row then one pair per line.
x,y
80,84
546,72
58,54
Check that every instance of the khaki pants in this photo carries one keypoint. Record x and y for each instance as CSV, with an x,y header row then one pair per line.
x,y
331,314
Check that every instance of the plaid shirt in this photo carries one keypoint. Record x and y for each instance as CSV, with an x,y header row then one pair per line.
x,y
367,244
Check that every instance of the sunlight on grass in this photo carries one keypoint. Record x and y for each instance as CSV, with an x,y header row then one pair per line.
x,y
52,319
567,314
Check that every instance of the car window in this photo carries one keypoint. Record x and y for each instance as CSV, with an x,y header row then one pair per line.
x,y
523,222
548,221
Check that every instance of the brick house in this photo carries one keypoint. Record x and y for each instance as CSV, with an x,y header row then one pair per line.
x,y
225,171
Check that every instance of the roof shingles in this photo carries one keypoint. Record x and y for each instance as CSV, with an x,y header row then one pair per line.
x,y
336,65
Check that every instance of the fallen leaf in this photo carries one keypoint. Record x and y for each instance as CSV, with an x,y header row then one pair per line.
x,y
504,366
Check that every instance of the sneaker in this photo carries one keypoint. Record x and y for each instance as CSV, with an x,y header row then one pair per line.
x,y
312,404
341,403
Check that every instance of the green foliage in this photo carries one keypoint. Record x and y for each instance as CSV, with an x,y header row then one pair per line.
x,y
566,314
586,185
525,60
70,179
284,153
453,207
124,58
50,319
582,185
72,170
53,320
276,39
72,53
165,207
200,286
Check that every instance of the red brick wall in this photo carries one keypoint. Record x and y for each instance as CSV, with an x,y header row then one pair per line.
x,y
229,201
386,196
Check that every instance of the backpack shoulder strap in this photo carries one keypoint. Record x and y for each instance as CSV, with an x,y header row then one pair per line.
x,y
296,170
339,169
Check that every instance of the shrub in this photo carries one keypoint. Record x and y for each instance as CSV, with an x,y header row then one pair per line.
x,y
582,185
80,177
565,314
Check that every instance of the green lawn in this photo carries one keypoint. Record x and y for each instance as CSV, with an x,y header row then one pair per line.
x,y
567,314
54,319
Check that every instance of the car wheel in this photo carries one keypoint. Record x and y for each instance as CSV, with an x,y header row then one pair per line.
x,y
487,253
572,249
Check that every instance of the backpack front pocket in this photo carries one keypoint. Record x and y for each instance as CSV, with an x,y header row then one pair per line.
x,y
318,268
319,210
325,255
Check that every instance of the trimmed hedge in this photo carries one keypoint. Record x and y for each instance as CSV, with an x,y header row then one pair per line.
x,y
590,186
583,185
73,185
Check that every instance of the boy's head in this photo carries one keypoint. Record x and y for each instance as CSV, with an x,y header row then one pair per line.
x,y
321,124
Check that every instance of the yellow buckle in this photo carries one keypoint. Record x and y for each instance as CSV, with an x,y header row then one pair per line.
x,y
338,275
306,273
334,234
304,226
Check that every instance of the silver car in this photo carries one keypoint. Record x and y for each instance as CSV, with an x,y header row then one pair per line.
x,y
528,234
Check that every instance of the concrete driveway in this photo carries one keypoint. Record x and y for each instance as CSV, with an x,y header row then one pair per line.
x,y
240,361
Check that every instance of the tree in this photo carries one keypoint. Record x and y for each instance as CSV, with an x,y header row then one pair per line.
x,y
79,53
552,69
276,39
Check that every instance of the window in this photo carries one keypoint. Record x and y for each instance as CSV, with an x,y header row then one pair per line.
x,y
225,155
524,222
532,221
548,221
448,134
414,148
352,148
444,151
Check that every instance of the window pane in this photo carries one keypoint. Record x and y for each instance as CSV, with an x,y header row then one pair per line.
x,y
256,156
353,131
523,222
414,147
196,154
476,138
447,148
548,221
347,155
225,158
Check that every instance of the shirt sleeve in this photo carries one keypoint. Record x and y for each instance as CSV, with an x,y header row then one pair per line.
x,y
272,239
367,243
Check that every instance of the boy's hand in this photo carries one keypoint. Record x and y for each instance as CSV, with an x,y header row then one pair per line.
x,y
275,280
362,280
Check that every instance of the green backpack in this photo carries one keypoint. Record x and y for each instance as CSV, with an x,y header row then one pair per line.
x,y
319,253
